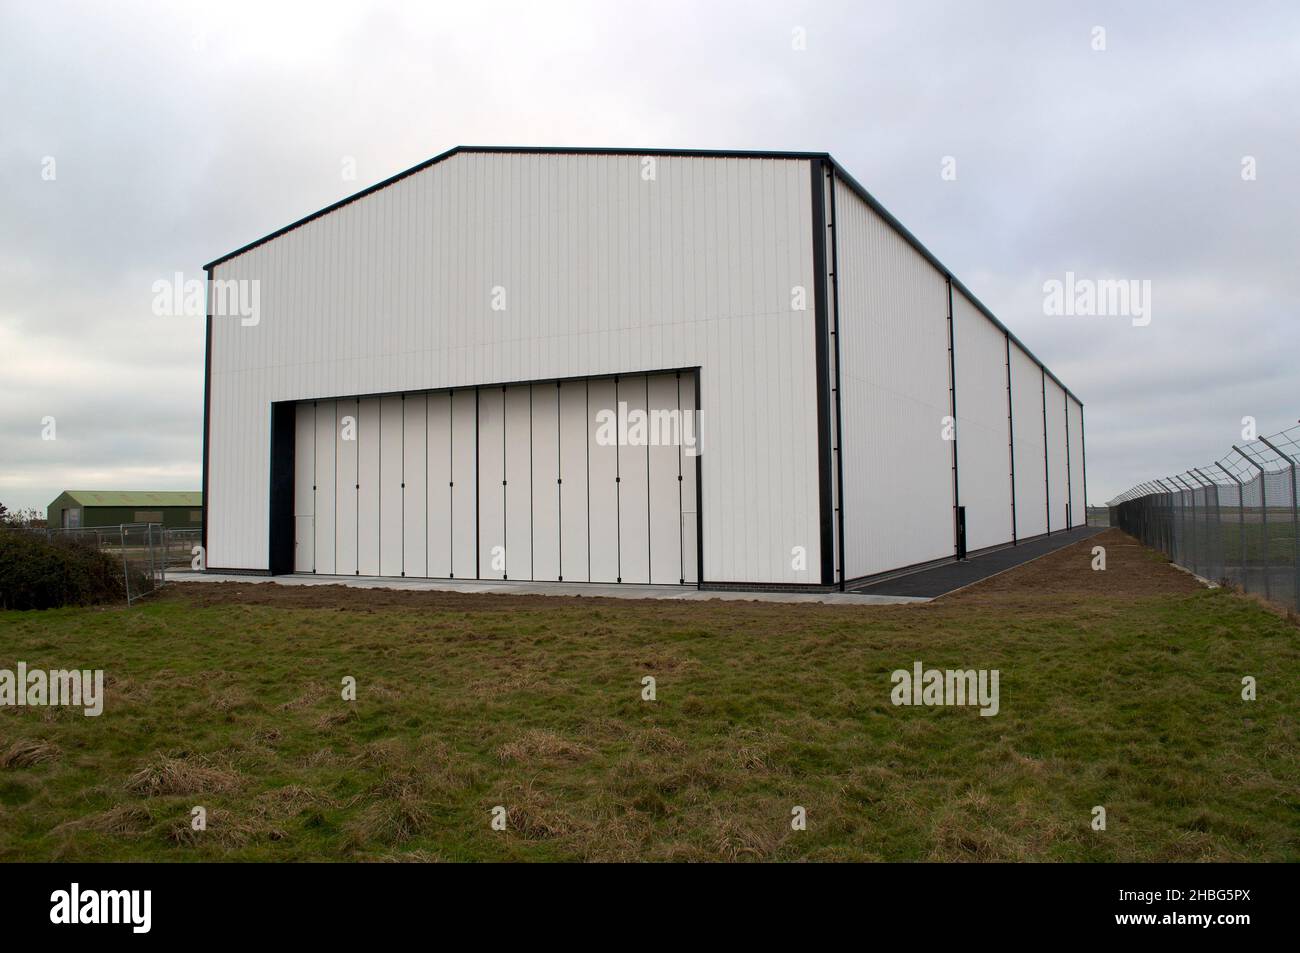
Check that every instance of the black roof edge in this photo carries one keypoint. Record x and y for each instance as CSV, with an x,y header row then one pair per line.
x,y
844,175
522,150
929,256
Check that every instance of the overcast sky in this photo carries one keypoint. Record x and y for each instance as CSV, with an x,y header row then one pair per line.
x,y
179,134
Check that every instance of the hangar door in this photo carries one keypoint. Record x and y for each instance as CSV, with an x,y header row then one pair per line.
x,y
590,480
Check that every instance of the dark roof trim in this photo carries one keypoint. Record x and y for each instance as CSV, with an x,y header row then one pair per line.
x,y
499,150
848,179
925,253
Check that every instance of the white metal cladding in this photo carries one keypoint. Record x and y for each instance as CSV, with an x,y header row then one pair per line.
x,y
1027,420
983,440
1078,510
893,314
601,272
1058,477
304,493
347,477
368,528
628,472
326,477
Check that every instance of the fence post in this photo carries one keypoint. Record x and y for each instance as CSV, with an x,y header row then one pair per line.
x,y
1191,563
126,572
1263,513
1175,541
1218,522
1241,521
1199,506
1295,522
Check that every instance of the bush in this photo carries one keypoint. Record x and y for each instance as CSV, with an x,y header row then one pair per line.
x,y
40,573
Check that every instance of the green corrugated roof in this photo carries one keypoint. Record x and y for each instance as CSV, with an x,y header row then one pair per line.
x,y
136,497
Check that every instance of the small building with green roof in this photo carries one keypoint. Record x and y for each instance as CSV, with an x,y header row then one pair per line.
x,y
179,509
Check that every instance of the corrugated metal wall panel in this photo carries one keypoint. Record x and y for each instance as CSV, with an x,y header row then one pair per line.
x,y
492,538
347,482
464,490
1078,509
983,441
391,502
602,487
545,501
369,431
1027,420
573,476
633,484
438,489
304,489
600,272
519,482
415,492
1057,475
894,378
665,485
326,475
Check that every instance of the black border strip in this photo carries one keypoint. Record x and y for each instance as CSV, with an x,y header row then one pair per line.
x,y
821,345
1069,473
699,485
207,410
1047,473
1011,444
958,543
839,410
1083,452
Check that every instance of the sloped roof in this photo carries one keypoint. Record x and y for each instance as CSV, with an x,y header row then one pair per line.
x,y
136,497
843,173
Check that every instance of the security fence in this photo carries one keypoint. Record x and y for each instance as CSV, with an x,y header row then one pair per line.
x,y
1234,521
146,551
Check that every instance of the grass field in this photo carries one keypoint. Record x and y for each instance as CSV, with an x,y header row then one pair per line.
x,y
1118,688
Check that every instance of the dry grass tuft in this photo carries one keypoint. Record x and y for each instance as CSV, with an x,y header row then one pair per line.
x,y
535,817
26,752
537,744
409,857
658,740
736,840
290,801
224,830
124,820
399,816
182,775
335,718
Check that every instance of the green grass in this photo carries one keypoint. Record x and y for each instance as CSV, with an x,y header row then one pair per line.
x,y
1128,699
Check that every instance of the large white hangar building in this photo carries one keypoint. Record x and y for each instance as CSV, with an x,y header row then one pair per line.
x,y
687,368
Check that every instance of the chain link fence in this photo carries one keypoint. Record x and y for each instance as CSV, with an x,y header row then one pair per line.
x,y
1235,521
1098,515
146,551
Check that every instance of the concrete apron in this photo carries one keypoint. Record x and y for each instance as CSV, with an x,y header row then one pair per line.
x,y
589,589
